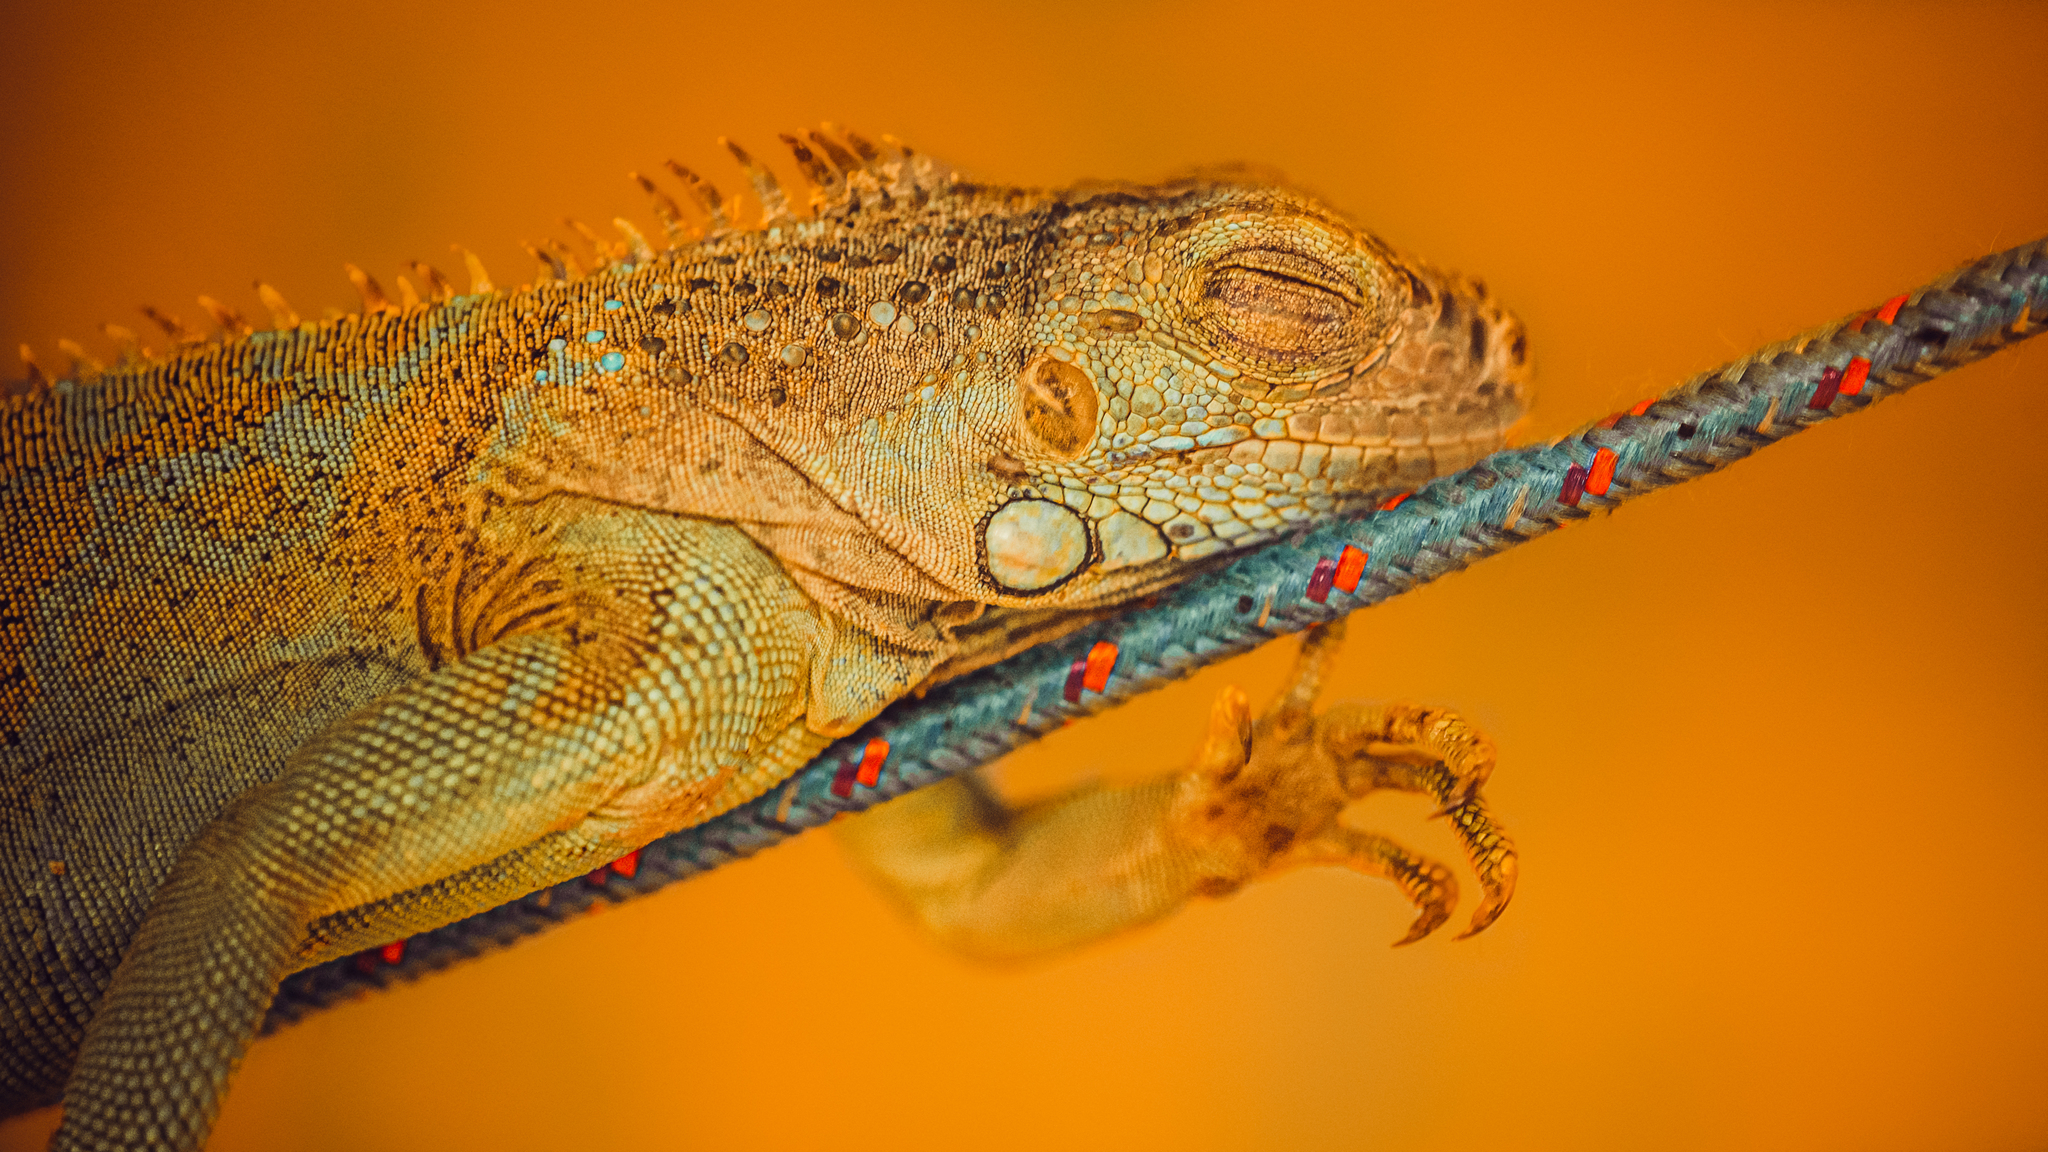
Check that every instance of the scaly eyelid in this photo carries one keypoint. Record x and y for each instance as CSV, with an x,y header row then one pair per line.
x,y
1304,270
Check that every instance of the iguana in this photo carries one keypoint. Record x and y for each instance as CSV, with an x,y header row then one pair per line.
x,y
318,637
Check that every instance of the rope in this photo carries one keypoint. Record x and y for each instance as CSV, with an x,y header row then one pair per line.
x,y
1322,573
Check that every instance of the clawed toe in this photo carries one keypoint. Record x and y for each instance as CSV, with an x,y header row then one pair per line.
x,y
1430,919
1274,791
1493,857
1427,884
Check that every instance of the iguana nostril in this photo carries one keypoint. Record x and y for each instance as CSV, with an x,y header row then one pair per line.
x,y
1034,544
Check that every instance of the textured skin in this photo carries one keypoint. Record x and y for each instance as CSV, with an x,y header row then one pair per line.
x,y
315,638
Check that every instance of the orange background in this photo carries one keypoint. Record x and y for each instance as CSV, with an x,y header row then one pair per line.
x,y
1772,743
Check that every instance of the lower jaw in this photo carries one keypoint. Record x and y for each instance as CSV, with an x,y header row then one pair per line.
x,y
1348,478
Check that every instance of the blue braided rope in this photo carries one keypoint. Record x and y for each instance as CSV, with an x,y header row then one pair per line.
x,y
1510,497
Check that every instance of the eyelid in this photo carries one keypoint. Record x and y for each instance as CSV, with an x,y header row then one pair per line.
x,y
1293,266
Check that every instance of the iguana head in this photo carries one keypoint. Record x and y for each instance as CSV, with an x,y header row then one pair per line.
x,y
1056,399
1200,365
1044,399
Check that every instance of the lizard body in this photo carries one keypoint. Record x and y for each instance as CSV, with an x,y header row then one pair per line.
x,y
319,637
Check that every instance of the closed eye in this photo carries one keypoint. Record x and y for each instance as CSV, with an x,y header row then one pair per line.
x,y
1262,298
1306,271
1279,308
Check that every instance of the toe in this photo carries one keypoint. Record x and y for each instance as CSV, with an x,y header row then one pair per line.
x,y
1227,741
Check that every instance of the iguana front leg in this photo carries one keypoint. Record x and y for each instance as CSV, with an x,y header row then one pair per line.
x,y
1259,798
665,653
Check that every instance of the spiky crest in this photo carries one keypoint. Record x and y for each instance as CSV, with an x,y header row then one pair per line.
x,y
231,322
281,315
705,197
479,280
842,170
172,326
374,300
665,210
774,205
827,185
840,157
80,361
637,248
36,379
602,251
127,346
438,288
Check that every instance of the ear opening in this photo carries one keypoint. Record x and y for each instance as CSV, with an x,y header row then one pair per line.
x,y
1060,405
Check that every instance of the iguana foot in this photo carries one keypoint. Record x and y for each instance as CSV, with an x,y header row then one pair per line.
x,y
1267,796
1003,883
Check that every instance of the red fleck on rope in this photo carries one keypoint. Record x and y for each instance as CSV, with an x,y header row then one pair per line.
x,y
1852,380
1077,675
1601,477
1320,580
871,759
1350,566
1574,485
842,780
1100,663
1825,389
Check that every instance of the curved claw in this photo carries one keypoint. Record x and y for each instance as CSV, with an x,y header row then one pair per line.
x,y
1427,884
1486,844
1427,920
1493,858
1490,907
